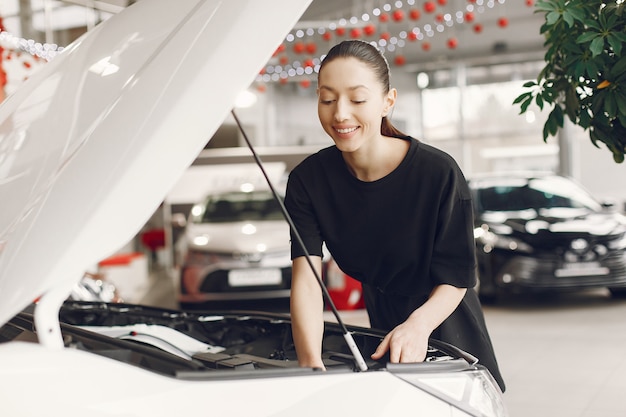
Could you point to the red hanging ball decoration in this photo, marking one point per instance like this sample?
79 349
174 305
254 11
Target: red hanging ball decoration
299 47
452 43
283 80
308 63
284 60
503 22
412 36
439 18
369 30
478 28
530 3
305 83
415 14
429 6
400 60
261 88
469 17
385 36
426 46
327 36
355 33
340 31
384 17
442 2
398 15
311 48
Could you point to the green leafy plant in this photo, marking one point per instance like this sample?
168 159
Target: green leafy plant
585 73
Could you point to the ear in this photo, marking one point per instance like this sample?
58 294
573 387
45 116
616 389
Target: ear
390 101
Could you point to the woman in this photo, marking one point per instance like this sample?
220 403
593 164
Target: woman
395 214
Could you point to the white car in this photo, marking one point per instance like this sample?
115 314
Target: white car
235 248
91 144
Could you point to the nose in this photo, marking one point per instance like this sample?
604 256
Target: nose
341 112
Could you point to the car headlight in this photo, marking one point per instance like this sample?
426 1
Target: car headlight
491 240
473 391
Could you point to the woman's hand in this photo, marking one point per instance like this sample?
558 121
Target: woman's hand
405 343
408 342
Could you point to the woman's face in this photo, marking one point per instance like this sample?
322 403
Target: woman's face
351 103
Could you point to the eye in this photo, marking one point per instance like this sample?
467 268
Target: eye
326 101
358 101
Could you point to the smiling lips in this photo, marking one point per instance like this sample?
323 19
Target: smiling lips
347 130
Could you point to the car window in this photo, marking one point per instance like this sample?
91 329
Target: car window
537 193
233 207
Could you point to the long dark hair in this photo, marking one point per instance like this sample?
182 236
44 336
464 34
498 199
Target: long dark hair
373 58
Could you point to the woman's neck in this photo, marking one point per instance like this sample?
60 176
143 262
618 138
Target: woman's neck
378 160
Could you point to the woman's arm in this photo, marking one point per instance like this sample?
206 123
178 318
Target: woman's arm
408 342
307 305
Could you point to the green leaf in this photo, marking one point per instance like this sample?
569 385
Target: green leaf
558 115
620 99
585 120
619 68
539 101
610 106
545 6
615 44
529 84
522 97
525 104
569 19
546 133
577 13
552 17
596 46
594 138
587 36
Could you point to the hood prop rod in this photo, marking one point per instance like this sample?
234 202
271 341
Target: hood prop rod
358 357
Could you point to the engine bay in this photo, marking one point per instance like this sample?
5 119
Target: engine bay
202 344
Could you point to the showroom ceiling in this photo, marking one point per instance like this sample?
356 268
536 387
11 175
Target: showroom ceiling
477 32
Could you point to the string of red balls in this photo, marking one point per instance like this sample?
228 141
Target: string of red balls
370 29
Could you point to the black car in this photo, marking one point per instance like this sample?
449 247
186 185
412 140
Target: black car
544 232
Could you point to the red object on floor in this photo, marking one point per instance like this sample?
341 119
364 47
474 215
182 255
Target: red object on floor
120 259
153 239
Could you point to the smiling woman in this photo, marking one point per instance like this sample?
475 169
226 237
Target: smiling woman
394 213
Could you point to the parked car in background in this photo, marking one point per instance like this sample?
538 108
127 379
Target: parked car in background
235 247
543 232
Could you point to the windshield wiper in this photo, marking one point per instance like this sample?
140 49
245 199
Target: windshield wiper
358 357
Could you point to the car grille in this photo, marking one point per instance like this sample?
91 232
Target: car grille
540 272
217 281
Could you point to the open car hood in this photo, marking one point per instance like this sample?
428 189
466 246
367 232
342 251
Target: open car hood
91 144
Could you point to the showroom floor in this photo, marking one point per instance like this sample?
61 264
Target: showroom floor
561 356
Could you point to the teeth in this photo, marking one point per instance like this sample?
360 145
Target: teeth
351 129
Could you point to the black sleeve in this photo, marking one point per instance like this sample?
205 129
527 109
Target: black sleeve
298 202
454 251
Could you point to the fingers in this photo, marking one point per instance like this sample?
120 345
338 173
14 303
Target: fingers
401 350
382 348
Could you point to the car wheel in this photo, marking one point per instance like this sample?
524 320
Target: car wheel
618 292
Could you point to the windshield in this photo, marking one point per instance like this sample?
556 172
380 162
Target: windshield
536 193
238 206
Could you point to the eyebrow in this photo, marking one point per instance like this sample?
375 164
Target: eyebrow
352 88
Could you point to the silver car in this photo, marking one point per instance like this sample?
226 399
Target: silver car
235 247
